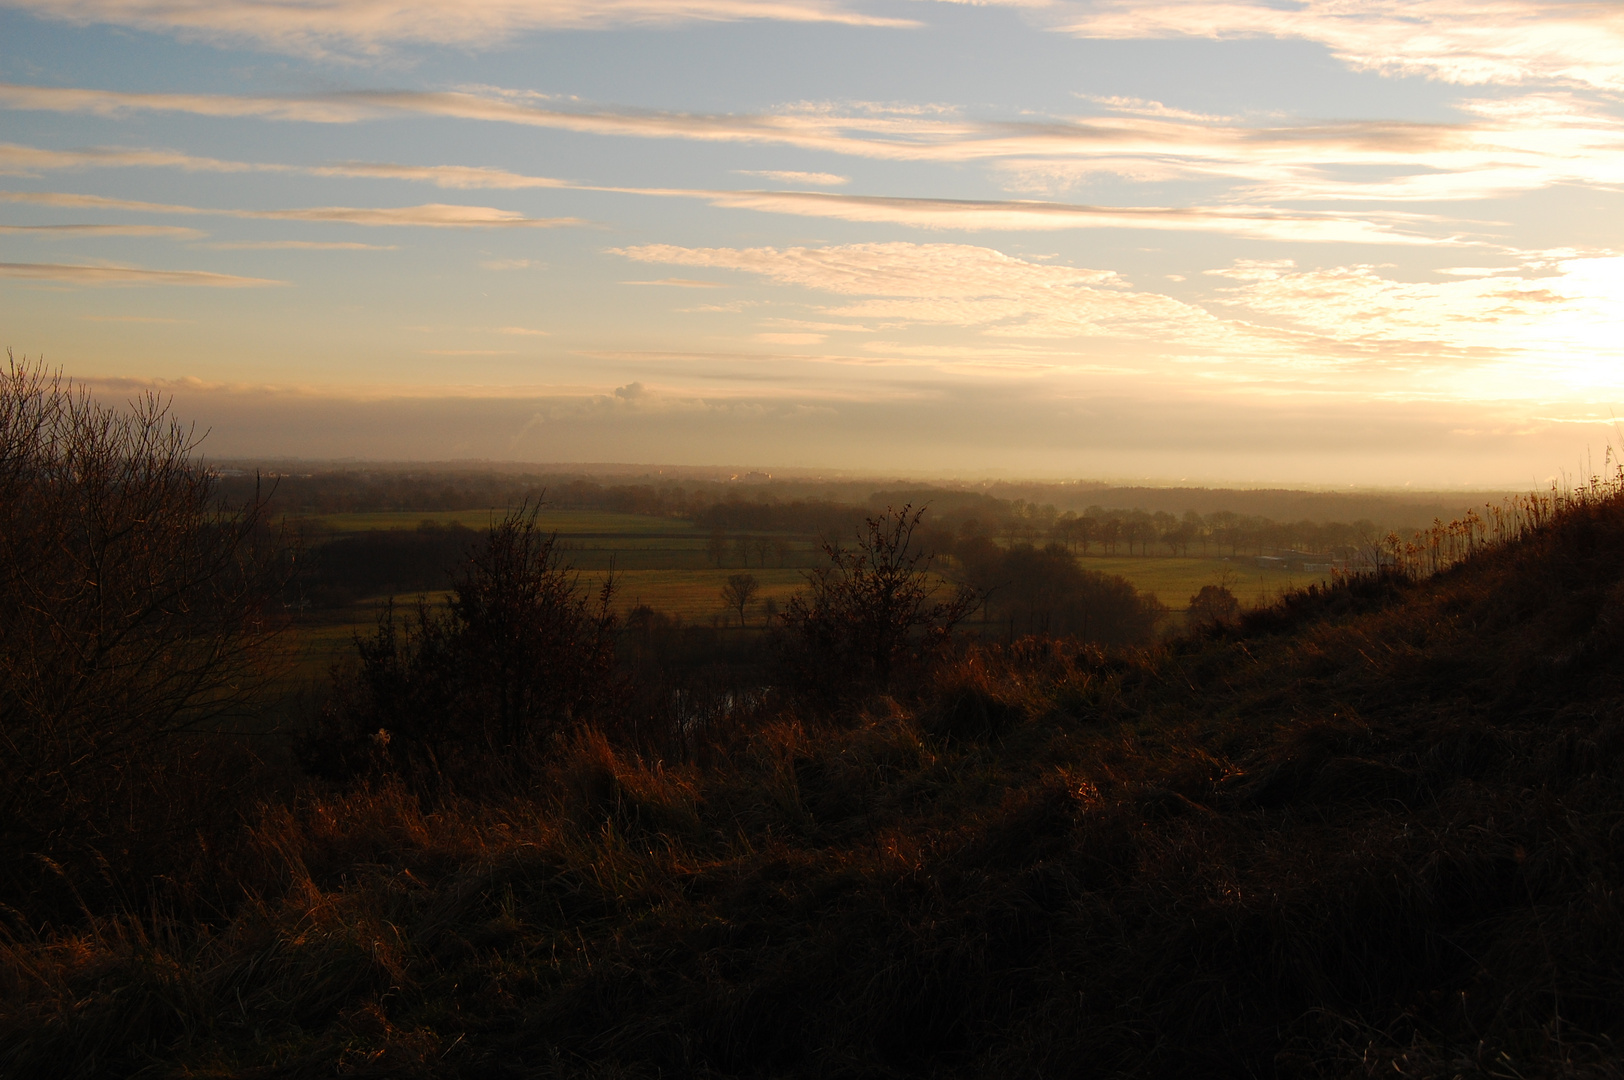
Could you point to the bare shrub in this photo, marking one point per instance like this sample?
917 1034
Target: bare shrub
470 692
1212 606
739 591
872 610
131 613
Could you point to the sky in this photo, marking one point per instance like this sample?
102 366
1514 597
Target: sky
1310 242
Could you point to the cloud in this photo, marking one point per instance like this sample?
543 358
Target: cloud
1502 146
957 285
19 160
790 338
301 245
1366 227
679 283
1557 309
128 275
787 176
368 26
174 232
427 215
467 177
523 331
508 264
1549 327
1580 42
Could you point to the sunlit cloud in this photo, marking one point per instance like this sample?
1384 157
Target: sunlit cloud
1021 215
772 337
300 245
1461 41
523 331
172 232
789 176
467 177
679 283
128 275
1562 309
958 285
1353 329
368 26
1501 146
427 215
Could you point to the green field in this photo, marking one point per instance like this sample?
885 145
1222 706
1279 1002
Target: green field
562 521
1174 581
661 562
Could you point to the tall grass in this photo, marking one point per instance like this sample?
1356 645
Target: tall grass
1515 518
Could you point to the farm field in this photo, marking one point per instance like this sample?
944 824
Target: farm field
1175 580
661 562
563 521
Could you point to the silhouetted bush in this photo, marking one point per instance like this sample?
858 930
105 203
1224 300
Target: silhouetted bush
131 615
470 692
873 610
1045 591
1212 606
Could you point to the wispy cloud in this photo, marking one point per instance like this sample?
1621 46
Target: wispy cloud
1550 323
1566 305
1501 146
788 176
427 215
368 26
956 285
300 245
19 160
1462 41
679 283
173 232
1365 227
128 275
467 177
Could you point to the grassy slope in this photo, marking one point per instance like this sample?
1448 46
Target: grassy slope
1376 830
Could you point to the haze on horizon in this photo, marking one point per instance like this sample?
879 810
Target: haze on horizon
1313 242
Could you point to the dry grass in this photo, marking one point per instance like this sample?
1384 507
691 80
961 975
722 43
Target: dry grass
1373 830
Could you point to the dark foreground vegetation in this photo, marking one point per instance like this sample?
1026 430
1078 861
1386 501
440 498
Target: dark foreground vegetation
1374 829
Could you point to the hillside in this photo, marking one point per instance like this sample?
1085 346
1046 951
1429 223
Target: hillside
1373 830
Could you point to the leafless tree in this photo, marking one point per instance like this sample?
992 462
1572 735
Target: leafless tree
739 591
873 606
132 603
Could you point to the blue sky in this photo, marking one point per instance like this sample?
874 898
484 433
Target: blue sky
1320 242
